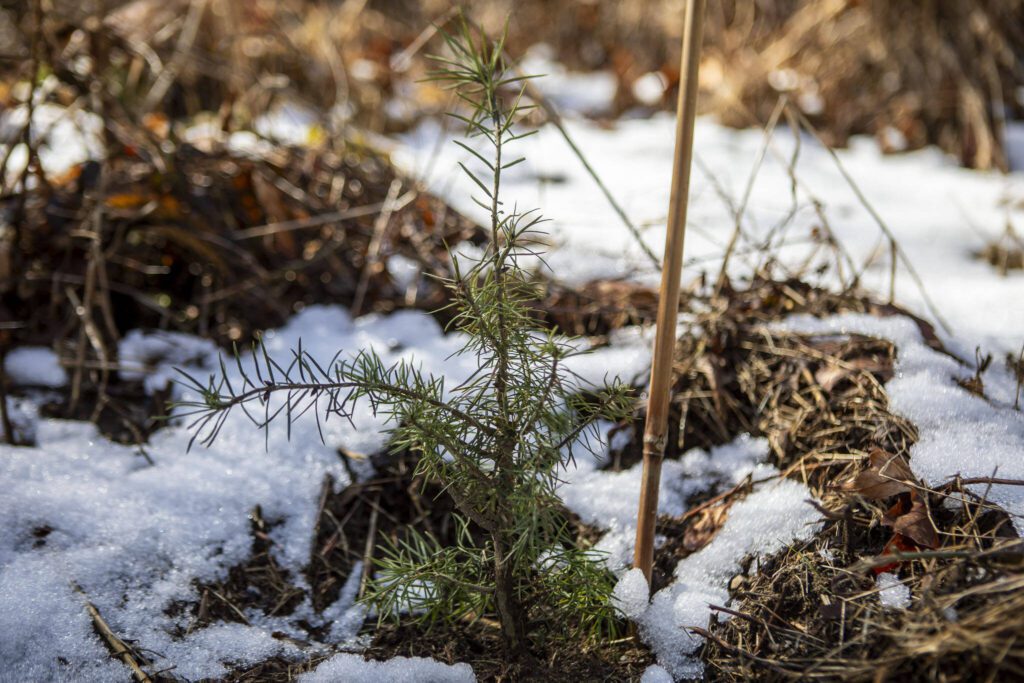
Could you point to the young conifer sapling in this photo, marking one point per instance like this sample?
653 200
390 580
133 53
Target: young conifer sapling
497 442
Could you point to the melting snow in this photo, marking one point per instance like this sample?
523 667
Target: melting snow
892 592
350 667
775 514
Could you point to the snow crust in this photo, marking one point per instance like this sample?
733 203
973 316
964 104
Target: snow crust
353 668
892 592
34 366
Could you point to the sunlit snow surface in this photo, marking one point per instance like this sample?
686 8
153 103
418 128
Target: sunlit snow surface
941 214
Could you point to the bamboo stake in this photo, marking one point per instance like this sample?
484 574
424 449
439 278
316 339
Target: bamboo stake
668 304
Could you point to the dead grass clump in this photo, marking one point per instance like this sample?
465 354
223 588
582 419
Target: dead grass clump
814 612
819 400
351 522
479 645
596 307
194 238
943 73
735 376
224 245
911 74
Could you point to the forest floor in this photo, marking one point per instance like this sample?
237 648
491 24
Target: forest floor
843 495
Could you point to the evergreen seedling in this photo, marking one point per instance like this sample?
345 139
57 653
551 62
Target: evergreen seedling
497 442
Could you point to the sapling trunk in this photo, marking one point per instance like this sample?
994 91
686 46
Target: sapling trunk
510 611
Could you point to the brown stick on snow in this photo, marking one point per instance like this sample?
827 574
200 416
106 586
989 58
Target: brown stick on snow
668 304
116 645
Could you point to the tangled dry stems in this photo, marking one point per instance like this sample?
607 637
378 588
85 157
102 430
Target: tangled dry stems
812 611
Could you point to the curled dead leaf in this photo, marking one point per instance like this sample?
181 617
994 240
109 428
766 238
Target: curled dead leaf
704 527
887 475
909 518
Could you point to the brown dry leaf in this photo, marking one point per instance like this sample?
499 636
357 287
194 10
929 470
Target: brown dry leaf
914 524
707 523
884 477
131 199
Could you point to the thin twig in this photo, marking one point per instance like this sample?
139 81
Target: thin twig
372 257
117 646
371 541
862 198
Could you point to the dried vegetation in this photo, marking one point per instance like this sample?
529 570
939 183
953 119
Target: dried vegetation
813 610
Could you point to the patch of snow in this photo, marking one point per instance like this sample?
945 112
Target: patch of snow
632 595
656 674
344 615
650 88
941 214
64 136
403 270
892 593
588 93
352 668
774 514
34 366
290 122
893 140
153 356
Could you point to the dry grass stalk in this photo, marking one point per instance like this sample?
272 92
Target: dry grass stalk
117 647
